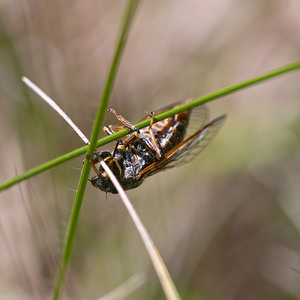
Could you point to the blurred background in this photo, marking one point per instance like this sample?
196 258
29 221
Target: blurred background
227 225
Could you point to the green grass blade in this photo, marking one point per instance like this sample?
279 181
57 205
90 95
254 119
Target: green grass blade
108 139
111 75
69 240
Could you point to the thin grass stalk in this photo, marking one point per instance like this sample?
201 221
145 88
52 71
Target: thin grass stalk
162 272
199 101
69 239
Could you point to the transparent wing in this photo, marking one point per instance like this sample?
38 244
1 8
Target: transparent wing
198 117
188 149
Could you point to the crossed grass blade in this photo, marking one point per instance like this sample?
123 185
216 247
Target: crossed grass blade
196 102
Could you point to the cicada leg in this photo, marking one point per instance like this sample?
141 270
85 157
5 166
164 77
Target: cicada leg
111 129
154 142
96 157
126 123
93 160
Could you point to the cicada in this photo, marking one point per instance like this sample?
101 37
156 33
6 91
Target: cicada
159 146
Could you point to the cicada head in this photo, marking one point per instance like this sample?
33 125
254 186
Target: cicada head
101 180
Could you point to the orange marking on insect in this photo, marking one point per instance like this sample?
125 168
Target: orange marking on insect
156 147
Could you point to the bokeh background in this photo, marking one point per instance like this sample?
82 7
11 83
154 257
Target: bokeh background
227 225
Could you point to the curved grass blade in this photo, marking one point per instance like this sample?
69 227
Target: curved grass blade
162 272
53 104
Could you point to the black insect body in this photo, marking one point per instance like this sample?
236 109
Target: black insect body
147 151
